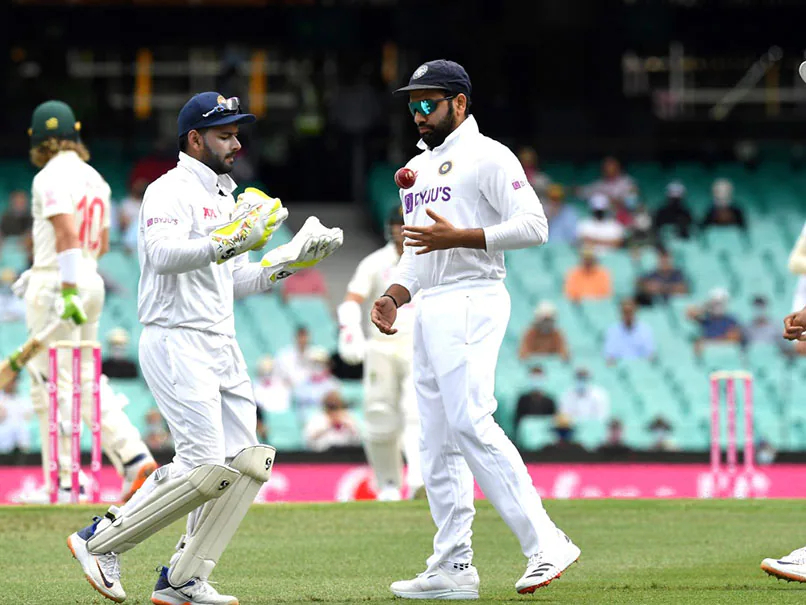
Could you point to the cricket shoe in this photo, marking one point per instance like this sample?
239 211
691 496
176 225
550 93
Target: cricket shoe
195 592
450 581
546 566
102 571
389 493
135 474
791 568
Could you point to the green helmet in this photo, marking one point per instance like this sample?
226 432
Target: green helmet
53 119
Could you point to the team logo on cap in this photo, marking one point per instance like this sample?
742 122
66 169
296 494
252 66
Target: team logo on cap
220 100
445 168
419 72
52 123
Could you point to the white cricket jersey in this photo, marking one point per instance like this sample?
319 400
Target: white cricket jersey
472 181
181 285
372 277
68 185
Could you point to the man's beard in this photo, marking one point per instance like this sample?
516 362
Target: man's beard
214 162
444 127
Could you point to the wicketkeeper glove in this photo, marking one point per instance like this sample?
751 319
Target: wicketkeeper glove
70 307
311 245
254 219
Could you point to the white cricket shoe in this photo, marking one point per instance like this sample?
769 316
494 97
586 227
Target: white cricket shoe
195 592
791 568
389 494
444 583
546 566
134 475
102 571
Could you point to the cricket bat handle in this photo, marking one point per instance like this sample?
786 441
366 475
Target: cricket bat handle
13 364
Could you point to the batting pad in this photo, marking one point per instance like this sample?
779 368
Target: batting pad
169 500
220 518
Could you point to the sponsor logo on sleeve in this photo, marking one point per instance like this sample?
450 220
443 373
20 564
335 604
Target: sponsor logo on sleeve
162 220
210 213
518 184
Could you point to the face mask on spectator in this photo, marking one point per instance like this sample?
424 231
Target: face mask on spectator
631 200
536 382
581 383
545 326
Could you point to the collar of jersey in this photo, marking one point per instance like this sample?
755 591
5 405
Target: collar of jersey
467 128
211 181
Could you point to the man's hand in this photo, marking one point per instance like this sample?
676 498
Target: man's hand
793 325
21 285
70 307
384 314
442 235
254 220
310 246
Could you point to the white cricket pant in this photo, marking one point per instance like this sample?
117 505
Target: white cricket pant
202 389
120 439
799 299
391 419
457 335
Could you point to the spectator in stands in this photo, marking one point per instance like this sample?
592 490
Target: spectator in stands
271 392
614 183
723 212
157 436
716 325
538 179
614 441
588 280
17 219
308 282
309 394
674 213
332 427
129 214
641 232
535 401
762 329
15 412
600 231
543 337
585 401
118 363
564 431
562 217
661 431
628 339
662 283
11 308
765 452
292 364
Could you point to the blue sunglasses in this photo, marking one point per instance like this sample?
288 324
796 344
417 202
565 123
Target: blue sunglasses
427 106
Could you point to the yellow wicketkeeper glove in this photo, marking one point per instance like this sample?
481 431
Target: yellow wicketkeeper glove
311 245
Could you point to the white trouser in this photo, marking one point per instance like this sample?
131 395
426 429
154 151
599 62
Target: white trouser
120 439
457 334
390 410
799 300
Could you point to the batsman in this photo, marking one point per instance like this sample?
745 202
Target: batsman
192 247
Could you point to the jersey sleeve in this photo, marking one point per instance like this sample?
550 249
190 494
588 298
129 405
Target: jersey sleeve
56 198
106 197
361 282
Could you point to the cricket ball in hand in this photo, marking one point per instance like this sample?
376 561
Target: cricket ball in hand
405 178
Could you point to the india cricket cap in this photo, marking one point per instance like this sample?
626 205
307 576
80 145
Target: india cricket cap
53 119
439 74
200 112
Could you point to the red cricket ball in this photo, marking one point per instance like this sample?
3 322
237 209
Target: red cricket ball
405 178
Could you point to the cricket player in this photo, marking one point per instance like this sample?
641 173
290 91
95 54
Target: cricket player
471 201
192 247
70 232
392 424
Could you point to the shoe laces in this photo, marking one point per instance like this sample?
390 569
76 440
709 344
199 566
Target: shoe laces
200 588
536 558
797 556
110 565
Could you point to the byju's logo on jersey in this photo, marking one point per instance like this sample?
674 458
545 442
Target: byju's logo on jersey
162 220
412 200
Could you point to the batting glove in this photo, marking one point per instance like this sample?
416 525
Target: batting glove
310 246
70 307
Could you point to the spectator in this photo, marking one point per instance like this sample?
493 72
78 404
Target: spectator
715 323
309 394
564 431
761 329
562 217
271 392
11 308
765 453
614 441
628 339
662 283
661 431
539 180
585 401
129 214
600 231
613 183
17 219
117 363
673 213
292 363
543 337
157 437
641 231
588 280
723 213
308 282
535 401
15 412
333 427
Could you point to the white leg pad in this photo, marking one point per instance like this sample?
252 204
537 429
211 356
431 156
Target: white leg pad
220 519
170 500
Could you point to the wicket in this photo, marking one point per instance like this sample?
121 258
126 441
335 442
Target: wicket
75 419
724 483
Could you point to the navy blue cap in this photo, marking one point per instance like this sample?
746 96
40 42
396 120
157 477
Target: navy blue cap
440 74
200 112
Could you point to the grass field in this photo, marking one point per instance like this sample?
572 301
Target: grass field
632 552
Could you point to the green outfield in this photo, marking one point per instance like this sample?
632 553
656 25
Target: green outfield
632 552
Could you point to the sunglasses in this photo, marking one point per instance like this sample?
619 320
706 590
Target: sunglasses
226 106
427 106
